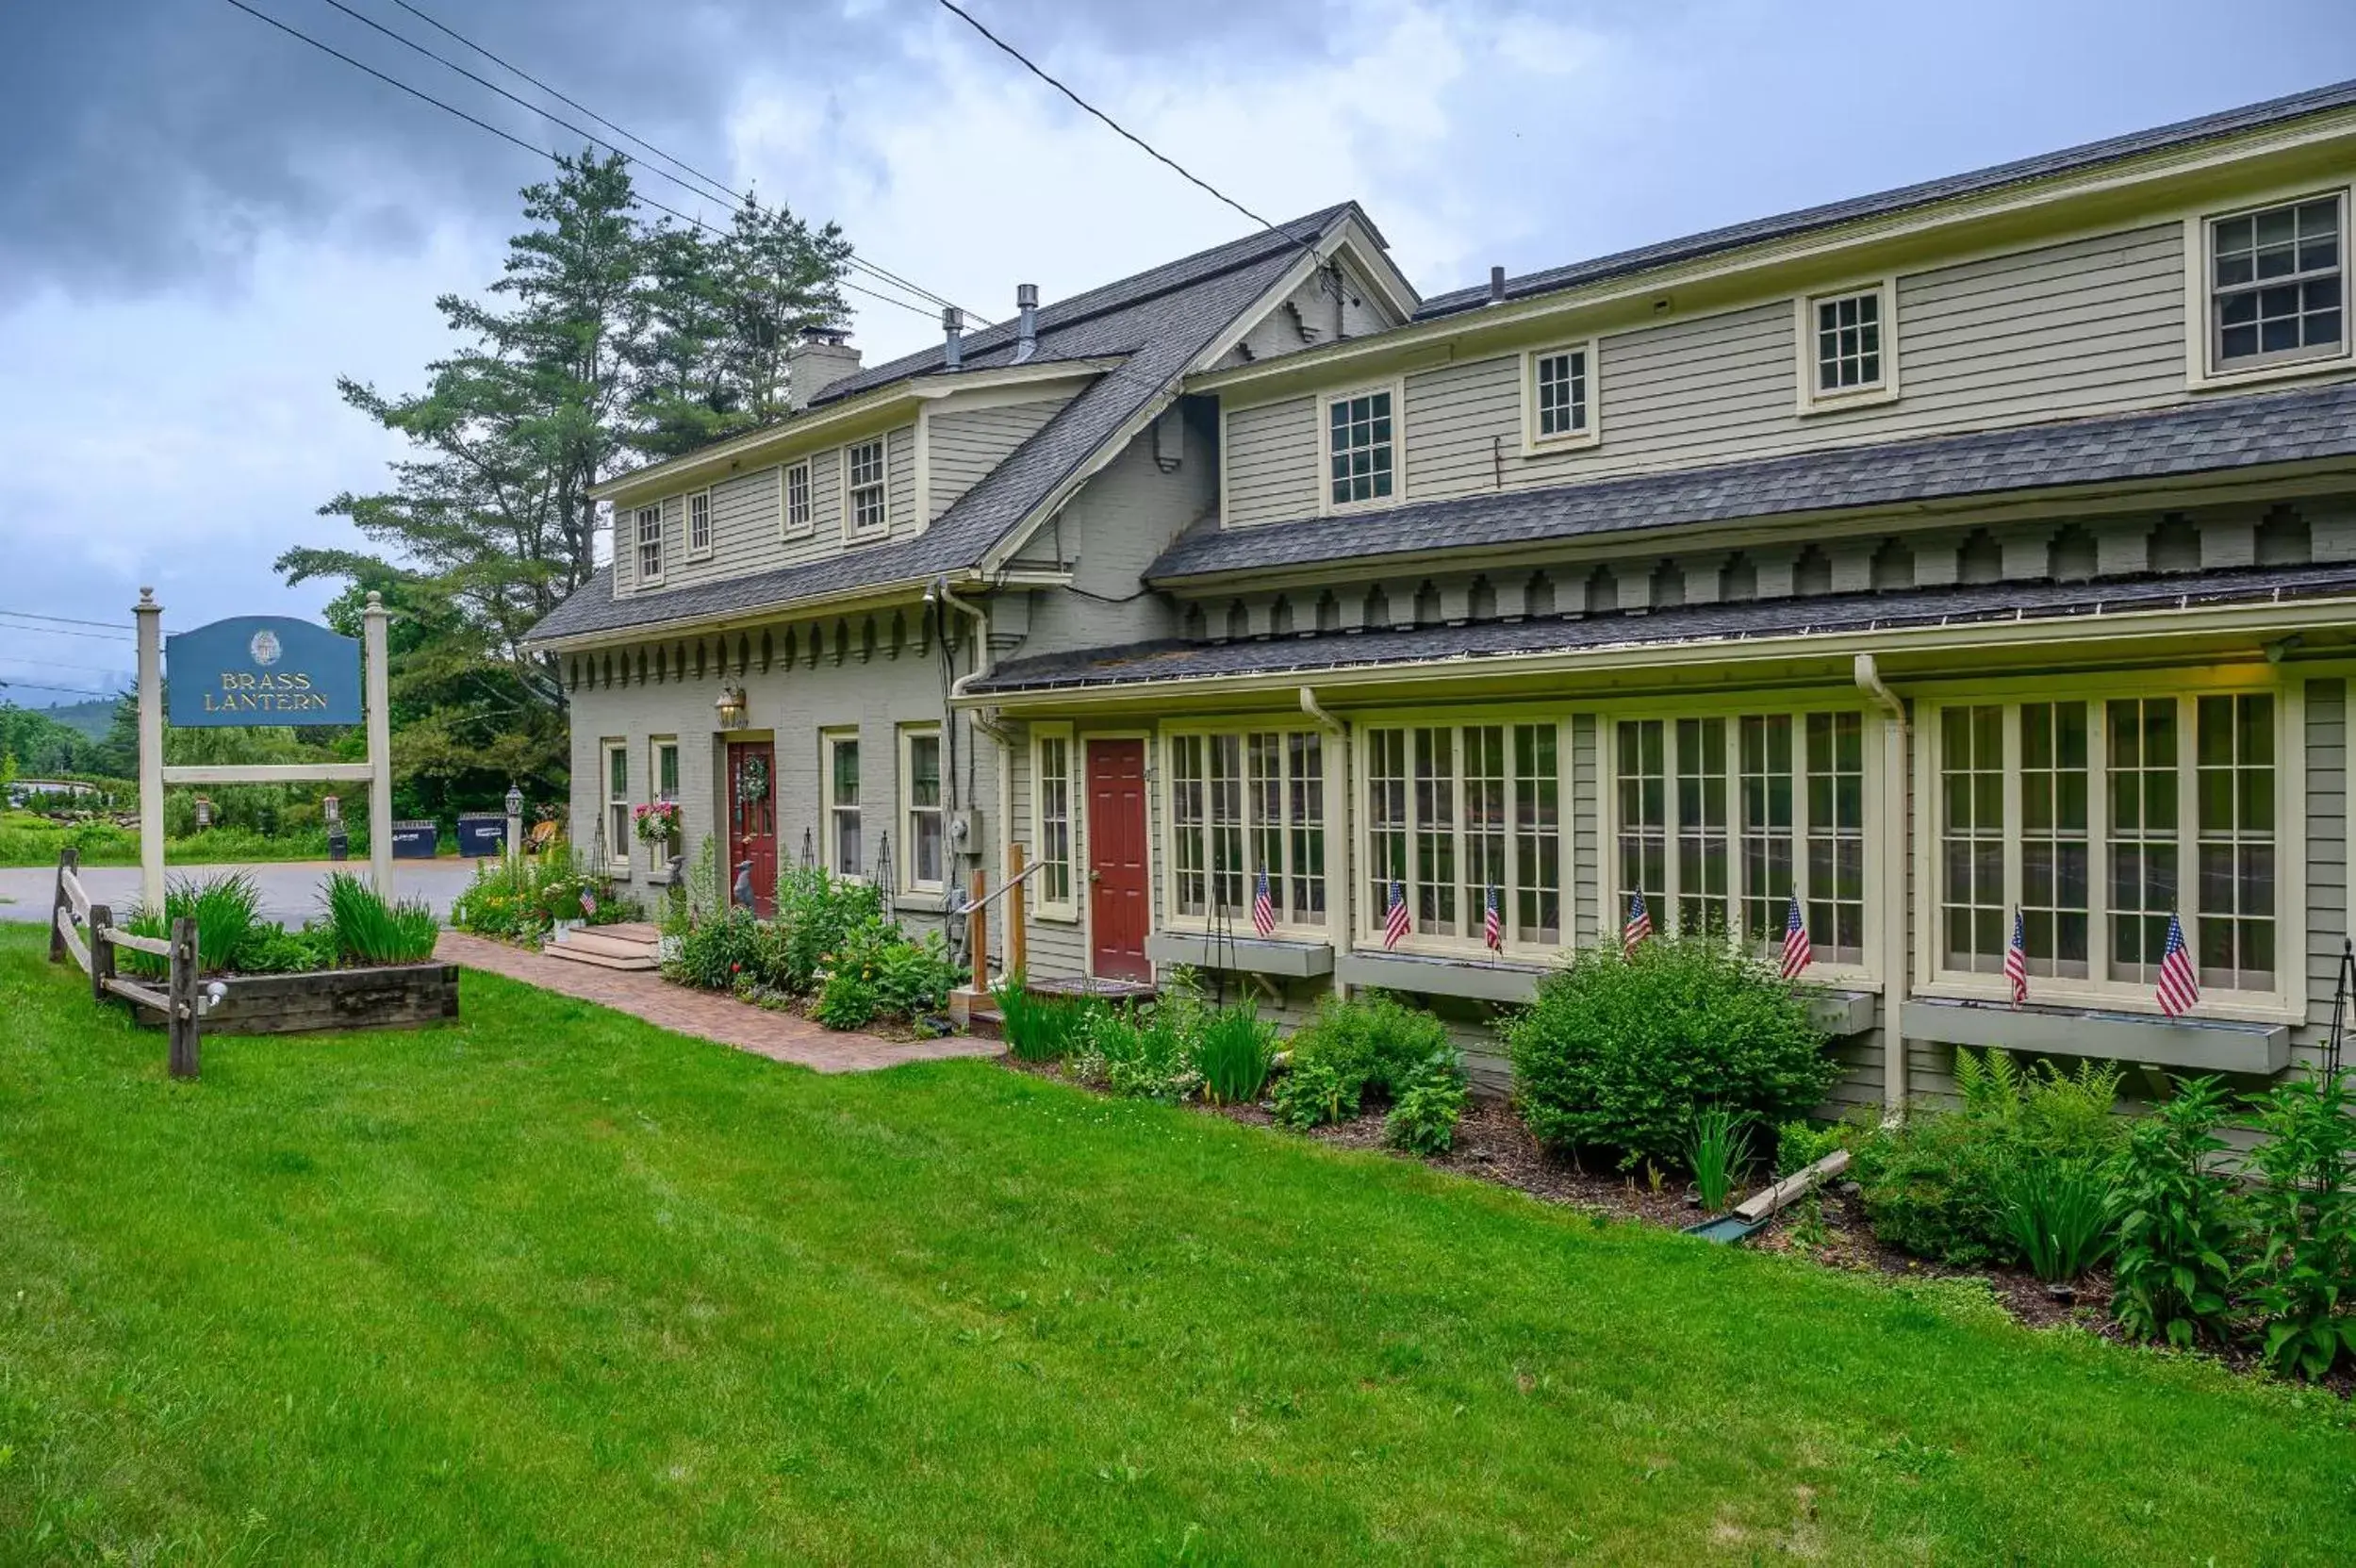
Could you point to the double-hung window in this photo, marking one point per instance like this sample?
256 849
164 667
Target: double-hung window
663 763
2095 820
1360 451
2278 284
863 483
796 500
1051 799
1559 385
651 544
1847 350
923 830
1460 817
617 815
1244 805
1721 820
839 762
699 525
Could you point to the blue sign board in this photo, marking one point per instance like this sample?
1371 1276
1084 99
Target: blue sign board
261 670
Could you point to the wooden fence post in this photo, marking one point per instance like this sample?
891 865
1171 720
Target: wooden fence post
978 933
101 951
182 992
69 861
1014 943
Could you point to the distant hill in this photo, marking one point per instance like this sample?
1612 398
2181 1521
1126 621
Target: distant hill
90 718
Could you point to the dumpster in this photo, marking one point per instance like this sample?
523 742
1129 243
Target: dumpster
482 832
415 840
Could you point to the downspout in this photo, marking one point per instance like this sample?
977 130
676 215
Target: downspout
1316 710
988 725
1896 841
1333 726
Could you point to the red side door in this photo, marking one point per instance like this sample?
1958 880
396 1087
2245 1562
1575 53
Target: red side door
752 820
1117 877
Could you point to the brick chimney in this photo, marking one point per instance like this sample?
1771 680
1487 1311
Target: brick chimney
819 358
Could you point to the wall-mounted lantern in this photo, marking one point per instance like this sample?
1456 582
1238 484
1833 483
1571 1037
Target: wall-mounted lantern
731 707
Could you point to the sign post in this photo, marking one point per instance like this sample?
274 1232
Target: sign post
254 671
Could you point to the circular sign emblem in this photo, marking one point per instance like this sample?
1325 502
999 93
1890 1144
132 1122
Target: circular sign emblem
264 647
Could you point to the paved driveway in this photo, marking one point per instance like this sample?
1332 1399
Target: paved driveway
289 888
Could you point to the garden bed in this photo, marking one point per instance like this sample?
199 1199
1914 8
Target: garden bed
380 996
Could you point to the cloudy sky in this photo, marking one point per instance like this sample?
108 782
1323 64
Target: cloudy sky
204 221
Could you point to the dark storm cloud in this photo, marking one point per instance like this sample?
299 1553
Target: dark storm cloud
153 142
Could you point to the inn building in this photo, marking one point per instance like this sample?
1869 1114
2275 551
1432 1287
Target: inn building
1971 555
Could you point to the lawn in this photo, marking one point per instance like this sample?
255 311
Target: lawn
550 1284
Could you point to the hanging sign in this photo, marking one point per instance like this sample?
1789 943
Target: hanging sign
261 670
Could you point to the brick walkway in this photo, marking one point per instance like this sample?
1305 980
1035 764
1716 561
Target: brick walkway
643 993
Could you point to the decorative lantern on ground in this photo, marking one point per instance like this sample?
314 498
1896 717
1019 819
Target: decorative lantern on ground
515 821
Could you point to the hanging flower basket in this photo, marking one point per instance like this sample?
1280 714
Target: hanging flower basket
656 822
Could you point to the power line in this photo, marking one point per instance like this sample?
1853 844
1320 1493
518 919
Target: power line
510 136
59 664
69 691
64 630
871 268
68 620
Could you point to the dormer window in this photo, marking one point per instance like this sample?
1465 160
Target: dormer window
699 525
651 544
1848 347
1359 453
2278 285
862 481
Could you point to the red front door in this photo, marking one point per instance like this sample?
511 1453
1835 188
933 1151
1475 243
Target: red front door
752 823
1117 882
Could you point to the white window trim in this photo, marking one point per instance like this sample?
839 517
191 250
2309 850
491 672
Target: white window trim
884 483
786 527
1612 915
2285 1004
1533 444
638 546
2200 374
829 742
1810 400
656 745
1368 915
1323 407
902 788
1330 747
1064 909
687 522
617 853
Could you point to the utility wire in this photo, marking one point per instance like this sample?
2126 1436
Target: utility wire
59 664
67 621
873 269
70 691
63 632
510 136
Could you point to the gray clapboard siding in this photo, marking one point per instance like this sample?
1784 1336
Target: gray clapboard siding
2327 858
1272 462
963 445
900 516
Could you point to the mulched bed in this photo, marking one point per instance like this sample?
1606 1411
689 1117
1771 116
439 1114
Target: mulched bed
1494 1146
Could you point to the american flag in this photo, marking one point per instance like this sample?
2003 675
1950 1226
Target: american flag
1639 924
2017 960
1493 928
1798 954
2179 988
588 903
1394 924
1263 908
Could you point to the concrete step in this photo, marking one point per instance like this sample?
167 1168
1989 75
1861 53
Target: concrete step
986 1023
627 930
575 954
610 942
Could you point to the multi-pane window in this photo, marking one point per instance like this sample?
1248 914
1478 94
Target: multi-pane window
2276 283
862 477
845 844
618 816
663 754
1848 342
1359 447
1561 394
1722 821
1461 815
2085 817
1244 805
651 544
699 524
797 498
920 799
1052 778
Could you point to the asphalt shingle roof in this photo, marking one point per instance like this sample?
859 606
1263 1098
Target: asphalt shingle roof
1816 615
1156 323
2044 166
2194 438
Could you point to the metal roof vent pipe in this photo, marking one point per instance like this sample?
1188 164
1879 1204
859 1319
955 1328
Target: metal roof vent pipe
953 335
1496 286
1026 324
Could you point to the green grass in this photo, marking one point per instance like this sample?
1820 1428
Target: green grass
550 1284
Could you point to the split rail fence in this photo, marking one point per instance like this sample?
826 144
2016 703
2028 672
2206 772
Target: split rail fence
86 932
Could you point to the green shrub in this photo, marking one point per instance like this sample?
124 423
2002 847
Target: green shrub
2301 1285
2174 1276
1232 1054
1718 1152
1311 1094
715 954
2062 1215
876 960
849 1000
1622 1051
273 950
368 929
225 908
1800 1144
1140 1055
1428 1105
819 912
1365 1042
1037 1028
521 901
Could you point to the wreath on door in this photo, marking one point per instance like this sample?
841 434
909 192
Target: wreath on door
753 781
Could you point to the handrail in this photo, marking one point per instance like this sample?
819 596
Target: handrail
1004 888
